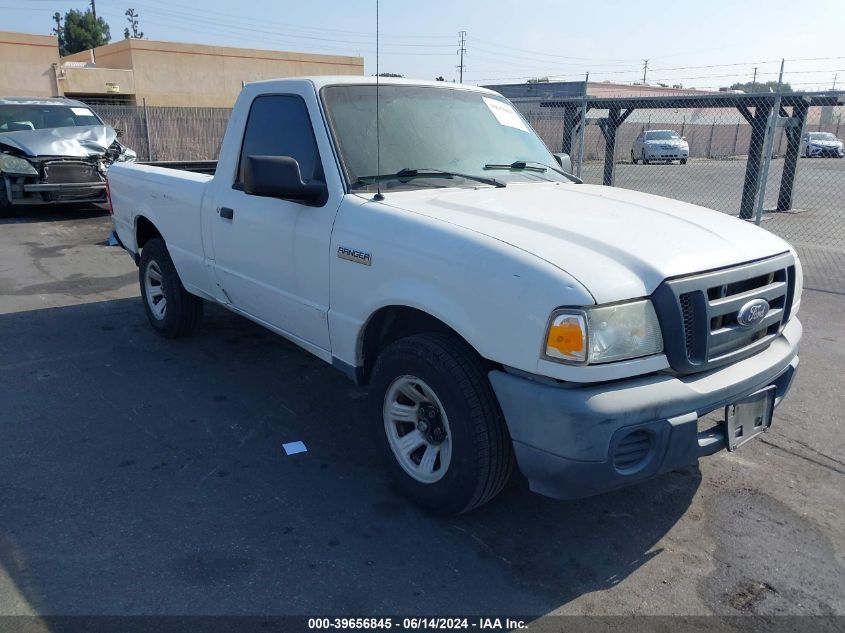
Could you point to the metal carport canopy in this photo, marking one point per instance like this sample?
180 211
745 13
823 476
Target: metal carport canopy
762 102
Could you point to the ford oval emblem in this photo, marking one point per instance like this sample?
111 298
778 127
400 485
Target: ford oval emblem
752 312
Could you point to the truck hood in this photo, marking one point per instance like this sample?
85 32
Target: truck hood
81 141
619 244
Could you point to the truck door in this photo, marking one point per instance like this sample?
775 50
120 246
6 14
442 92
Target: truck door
270 256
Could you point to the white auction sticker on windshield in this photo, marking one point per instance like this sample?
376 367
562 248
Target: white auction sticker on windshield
82 112
505 114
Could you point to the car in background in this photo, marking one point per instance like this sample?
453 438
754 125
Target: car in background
820 144
659 145
54 150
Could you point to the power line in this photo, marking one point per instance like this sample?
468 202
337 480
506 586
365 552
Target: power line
547 54
211 24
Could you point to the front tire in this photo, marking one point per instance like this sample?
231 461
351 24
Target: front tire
683 161
441 431
645 160
171 310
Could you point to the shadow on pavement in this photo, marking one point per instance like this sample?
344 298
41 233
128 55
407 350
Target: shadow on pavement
52 213
146 476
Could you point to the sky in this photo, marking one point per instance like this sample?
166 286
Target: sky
696 44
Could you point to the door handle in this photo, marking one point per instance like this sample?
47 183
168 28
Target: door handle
226 213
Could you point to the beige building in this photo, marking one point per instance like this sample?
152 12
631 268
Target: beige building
26 65
132 71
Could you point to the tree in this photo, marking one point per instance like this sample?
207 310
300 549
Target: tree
389 75
82 32
761 86
132 17
440 78
538 80
58 31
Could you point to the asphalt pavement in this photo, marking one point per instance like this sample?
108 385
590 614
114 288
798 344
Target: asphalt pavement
147 476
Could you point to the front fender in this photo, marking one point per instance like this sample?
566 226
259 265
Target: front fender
496 296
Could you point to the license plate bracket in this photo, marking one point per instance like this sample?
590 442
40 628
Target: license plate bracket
747 418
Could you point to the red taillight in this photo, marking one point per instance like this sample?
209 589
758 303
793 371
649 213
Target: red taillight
108 197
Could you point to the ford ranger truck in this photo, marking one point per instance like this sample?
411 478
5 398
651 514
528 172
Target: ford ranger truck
501 312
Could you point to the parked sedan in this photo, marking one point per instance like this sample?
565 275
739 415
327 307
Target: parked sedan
819 144
660 145
54 150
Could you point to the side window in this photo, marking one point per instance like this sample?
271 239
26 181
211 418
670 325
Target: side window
279 125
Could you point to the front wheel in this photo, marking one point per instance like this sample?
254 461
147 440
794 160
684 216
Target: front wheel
171 310
683 161
645 160
440 429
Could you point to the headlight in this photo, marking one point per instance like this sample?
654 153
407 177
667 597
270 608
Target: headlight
127 156
14 165
603 334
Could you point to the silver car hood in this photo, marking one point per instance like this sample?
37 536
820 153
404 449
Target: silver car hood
81 141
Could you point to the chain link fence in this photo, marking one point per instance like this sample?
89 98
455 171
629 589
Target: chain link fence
168 133
706 150
723 151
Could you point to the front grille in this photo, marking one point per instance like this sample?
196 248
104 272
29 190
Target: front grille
632 450
699 314
56 172
688 313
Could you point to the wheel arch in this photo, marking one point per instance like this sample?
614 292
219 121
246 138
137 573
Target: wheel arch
145 230
390 323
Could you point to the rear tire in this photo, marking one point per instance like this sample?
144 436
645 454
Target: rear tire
171 310
463 457
633 158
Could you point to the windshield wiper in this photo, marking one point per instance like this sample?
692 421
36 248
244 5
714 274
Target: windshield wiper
519 164
406 175
533 165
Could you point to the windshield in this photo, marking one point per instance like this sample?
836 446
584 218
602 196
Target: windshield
23 117
429 128
661 135
822 136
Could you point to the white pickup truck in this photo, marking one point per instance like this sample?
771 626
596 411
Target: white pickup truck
499 310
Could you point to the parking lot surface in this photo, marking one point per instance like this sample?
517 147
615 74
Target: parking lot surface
147 476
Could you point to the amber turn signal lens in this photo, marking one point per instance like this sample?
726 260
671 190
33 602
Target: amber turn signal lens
567 338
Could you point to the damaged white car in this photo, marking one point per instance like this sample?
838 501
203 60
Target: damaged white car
54 150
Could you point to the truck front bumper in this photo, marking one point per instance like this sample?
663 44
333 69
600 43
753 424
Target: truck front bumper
567 437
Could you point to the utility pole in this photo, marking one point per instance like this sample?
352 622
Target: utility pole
94 9
645 65
462 49
753 80
835 76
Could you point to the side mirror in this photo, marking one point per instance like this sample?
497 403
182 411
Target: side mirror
565 162
118 132
279 177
